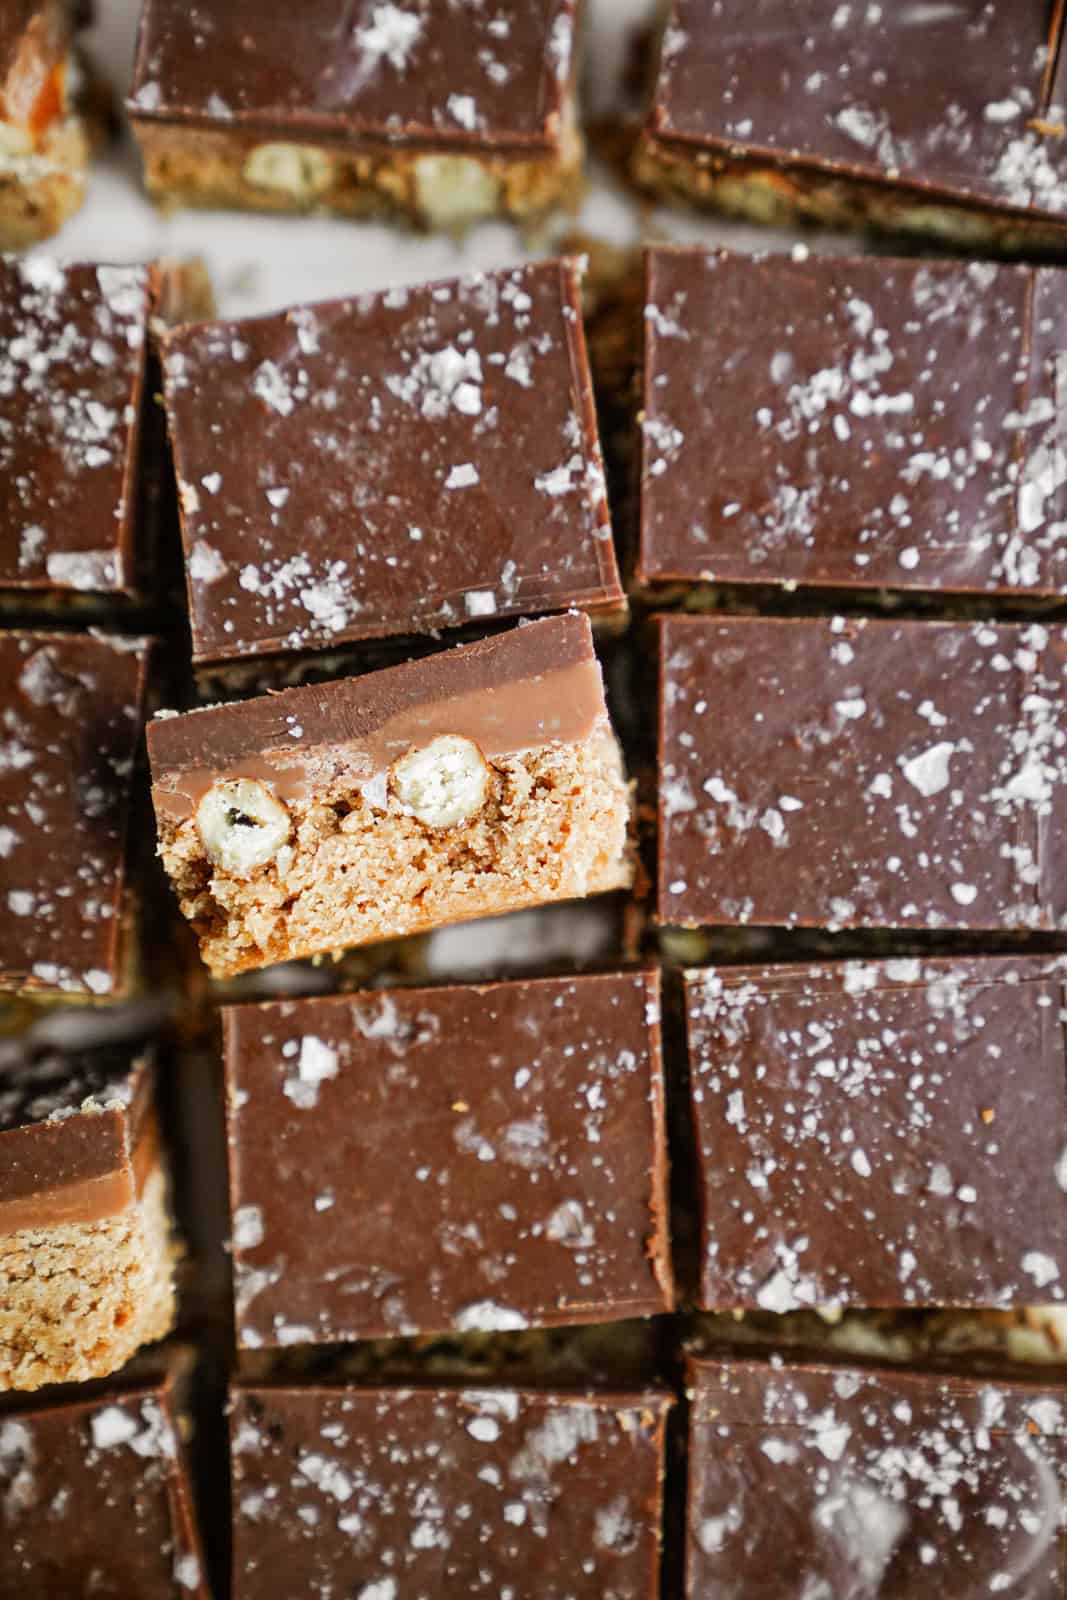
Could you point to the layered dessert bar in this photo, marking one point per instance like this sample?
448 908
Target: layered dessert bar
390 465
851 423
528 1189
73 350
846 773
71 716
475 781
95 1498
46 130
86 1258
381 1493
437 114
880 1133
946 120
812 1480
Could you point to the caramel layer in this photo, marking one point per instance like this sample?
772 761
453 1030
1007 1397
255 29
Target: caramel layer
89 1199
536 685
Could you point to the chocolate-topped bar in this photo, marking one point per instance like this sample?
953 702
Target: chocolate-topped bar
847 773
86 1262
72 370
943 119
838 1480
391 464
851 423
475 781
383 1493
71 712
880 1133
526 1188
440 114
46 130
95 1499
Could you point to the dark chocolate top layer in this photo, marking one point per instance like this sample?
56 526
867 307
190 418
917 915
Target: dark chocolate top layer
93 1500
870 423
71 713
407 71
392 464
840 1481
432 1159
380 1494
69 1120
538 683
71 371
863 774
957 97
881 1133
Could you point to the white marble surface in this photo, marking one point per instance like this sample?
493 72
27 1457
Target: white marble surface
259 263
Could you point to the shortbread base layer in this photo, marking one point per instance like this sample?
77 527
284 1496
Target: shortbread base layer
782 195
39 191
77 1300
554 827
431 189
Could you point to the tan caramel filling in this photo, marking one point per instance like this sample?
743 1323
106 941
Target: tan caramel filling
555 707
91 1199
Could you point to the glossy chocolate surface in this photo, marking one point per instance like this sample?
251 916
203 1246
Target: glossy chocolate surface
94 1501
418 71
839 1481
852 422
535 684
957 98
427 1159
880 1133
847 773
71 714
70 1131
72 350
383 1493
392 464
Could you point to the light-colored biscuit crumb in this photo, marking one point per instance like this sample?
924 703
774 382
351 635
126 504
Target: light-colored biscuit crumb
200 167
361 867
40 190
77 1300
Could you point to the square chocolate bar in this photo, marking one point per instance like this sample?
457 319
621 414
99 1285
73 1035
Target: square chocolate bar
479 780
847 773
71 716
423 1160
72 371
880 1133
945 119
436 113
95 1499
852 423
46 133
828 1481
390 465
86 1260
384 1493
